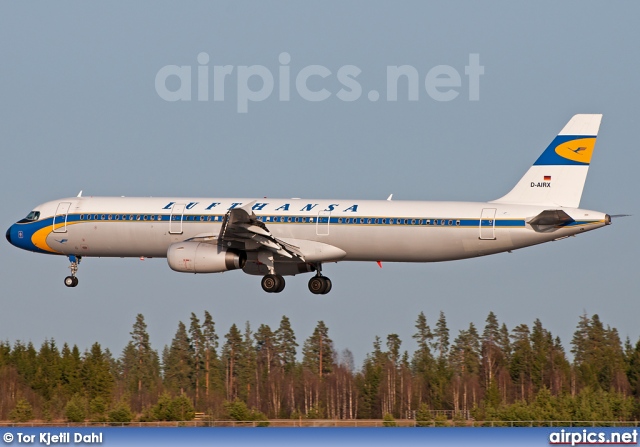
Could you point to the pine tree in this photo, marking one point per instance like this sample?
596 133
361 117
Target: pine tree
47 375
286 344
465 361
232 353
210 346
140 366
318 351
440 376
266 348
491 354
422 361
198 351
423 336
70 364
178 364
441 335
504 343
633 368
267 366
372 375
96 374
521 359
541 346
580 339
247 366
23 412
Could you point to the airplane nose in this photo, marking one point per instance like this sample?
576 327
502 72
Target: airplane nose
9 235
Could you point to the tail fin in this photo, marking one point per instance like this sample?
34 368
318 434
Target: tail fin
557 177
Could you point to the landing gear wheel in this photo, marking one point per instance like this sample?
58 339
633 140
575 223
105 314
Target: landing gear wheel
328 285
71 281
316 284
282 284
272 283
319 285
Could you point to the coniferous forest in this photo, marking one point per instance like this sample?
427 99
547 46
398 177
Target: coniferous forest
490 373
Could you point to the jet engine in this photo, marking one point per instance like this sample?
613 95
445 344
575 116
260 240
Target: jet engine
200 257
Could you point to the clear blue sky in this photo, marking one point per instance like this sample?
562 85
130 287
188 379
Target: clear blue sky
79 110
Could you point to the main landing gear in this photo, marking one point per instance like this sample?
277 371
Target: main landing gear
72 281
319 285
273 283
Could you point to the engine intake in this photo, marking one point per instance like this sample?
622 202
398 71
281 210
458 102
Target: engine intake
200 257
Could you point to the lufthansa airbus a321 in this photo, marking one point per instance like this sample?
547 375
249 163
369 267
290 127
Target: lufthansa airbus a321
275 238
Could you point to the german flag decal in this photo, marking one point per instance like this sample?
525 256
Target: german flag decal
547 178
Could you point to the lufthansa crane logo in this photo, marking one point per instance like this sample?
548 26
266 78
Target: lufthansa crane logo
578 150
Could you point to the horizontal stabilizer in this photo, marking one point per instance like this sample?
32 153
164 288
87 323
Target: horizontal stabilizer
550 220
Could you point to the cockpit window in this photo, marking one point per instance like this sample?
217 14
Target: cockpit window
33 216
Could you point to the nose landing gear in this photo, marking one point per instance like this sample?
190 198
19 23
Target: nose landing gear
72 280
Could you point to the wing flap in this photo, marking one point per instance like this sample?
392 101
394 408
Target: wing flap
241 225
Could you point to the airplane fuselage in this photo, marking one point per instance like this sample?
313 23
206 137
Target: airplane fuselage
365 230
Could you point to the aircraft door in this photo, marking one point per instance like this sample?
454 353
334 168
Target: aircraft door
175 220
322 224
60 218
488 224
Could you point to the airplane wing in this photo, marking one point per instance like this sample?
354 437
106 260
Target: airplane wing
242 229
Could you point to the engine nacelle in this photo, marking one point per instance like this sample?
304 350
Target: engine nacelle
200 257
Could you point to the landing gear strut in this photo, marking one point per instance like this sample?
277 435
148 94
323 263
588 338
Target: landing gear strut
72 281
319 285
272 283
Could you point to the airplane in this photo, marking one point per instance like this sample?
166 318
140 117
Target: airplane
274 238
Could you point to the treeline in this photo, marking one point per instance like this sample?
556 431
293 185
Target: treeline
497 374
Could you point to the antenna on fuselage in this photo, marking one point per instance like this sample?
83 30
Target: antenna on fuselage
79 194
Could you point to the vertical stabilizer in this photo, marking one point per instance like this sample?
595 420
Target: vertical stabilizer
557 177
